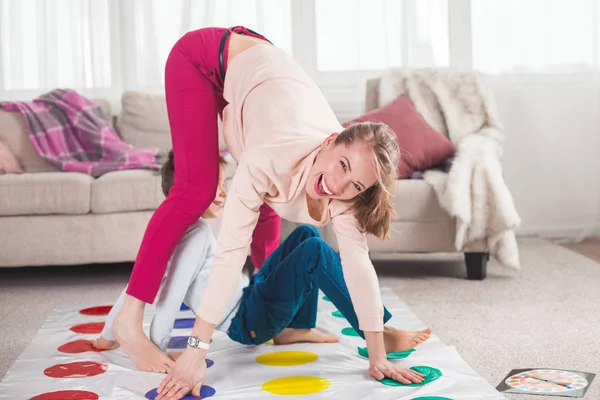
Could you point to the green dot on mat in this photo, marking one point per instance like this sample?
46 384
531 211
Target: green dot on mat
431 398
431 374
326 298
338 314
396 355
349 332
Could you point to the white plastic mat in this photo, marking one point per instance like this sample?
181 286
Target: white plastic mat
328 371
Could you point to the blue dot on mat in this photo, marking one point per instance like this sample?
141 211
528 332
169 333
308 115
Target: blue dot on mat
183 323
209 363
205 391
178 342
183 307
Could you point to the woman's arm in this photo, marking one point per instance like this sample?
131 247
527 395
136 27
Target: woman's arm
359 272
363 287
361 281
239 219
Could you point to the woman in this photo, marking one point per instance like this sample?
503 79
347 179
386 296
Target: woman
194 92
293 155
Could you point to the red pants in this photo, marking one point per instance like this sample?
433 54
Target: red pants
194 95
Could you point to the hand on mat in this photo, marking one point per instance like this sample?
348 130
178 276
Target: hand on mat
380 369
187 374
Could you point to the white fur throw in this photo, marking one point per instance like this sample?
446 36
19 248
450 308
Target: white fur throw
461 106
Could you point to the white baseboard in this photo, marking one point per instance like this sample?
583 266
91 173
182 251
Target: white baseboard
560 231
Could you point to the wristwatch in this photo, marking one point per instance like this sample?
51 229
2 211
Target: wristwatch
196 343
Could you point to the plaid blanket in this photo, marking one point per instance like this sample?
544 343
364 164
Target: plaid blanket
71 132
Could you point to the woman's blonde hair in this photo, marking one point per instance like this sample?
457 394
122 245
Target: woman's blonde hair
374 208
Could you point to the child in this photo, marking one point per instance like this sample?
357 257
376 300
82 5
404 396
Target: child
189 265
279 302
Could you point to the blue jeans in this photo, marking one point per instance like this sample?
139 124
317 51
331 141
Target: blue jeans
285 292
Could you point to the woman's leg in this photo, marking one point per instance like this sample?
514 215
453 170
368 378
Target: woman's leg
193 102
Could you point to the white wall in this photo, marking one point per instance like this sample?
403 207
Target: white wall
551 161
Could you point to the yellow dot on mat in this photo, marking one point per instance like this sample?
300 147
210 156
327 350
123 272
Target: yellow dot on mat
270 342
286 358
297 385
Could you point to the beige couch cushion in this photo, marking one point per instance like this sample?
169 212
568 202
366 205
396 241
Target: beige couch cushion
143 121
69 240
415 200
45 193
121 191
13 131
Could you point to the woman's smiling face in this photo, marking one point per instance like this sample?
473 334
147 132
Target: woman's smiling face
341 172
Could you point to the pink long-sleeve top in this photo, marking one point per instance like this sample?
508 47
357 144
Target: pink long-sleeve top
273 126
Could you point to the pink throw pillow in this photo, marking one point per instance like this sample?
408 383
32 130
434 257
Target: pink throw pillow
8 161
421 146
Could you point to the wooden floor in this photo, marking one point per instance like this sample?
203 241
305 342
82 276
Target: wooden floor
589 247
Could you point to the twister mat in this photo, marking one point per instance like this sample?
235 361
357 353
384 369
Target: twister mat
61 364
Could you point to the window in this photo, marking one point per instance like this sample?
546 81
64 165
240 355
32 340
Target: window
534 36
159 24
114 45
54 43
378 34
110 44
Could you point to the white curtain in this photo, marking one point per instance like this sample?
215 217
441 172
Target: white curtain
535 36
541 56
103 47
377 34
122 44
46 44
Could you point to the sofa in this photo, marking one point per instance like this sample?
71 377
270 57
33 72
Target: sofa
50 217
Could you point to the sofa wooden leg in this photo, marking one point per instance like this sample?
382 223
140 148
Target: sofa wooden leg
476 265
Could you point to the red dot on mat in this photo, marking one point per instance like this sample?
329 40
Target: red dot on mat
66 395
91 327
78 346
79 369
100 310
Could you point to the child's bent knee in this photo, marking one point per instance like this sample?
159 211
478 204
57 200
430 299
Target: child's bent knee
308 231
314 245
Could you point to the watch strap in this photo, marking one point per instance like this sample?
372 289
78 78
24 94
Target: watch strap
196 343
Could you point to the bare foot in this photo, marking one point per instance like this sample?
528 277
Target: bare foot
104 344
174 355
399 340
291 335
127 329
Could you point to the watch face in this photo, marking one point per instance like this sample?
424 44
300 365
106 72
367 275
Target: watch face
192 341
